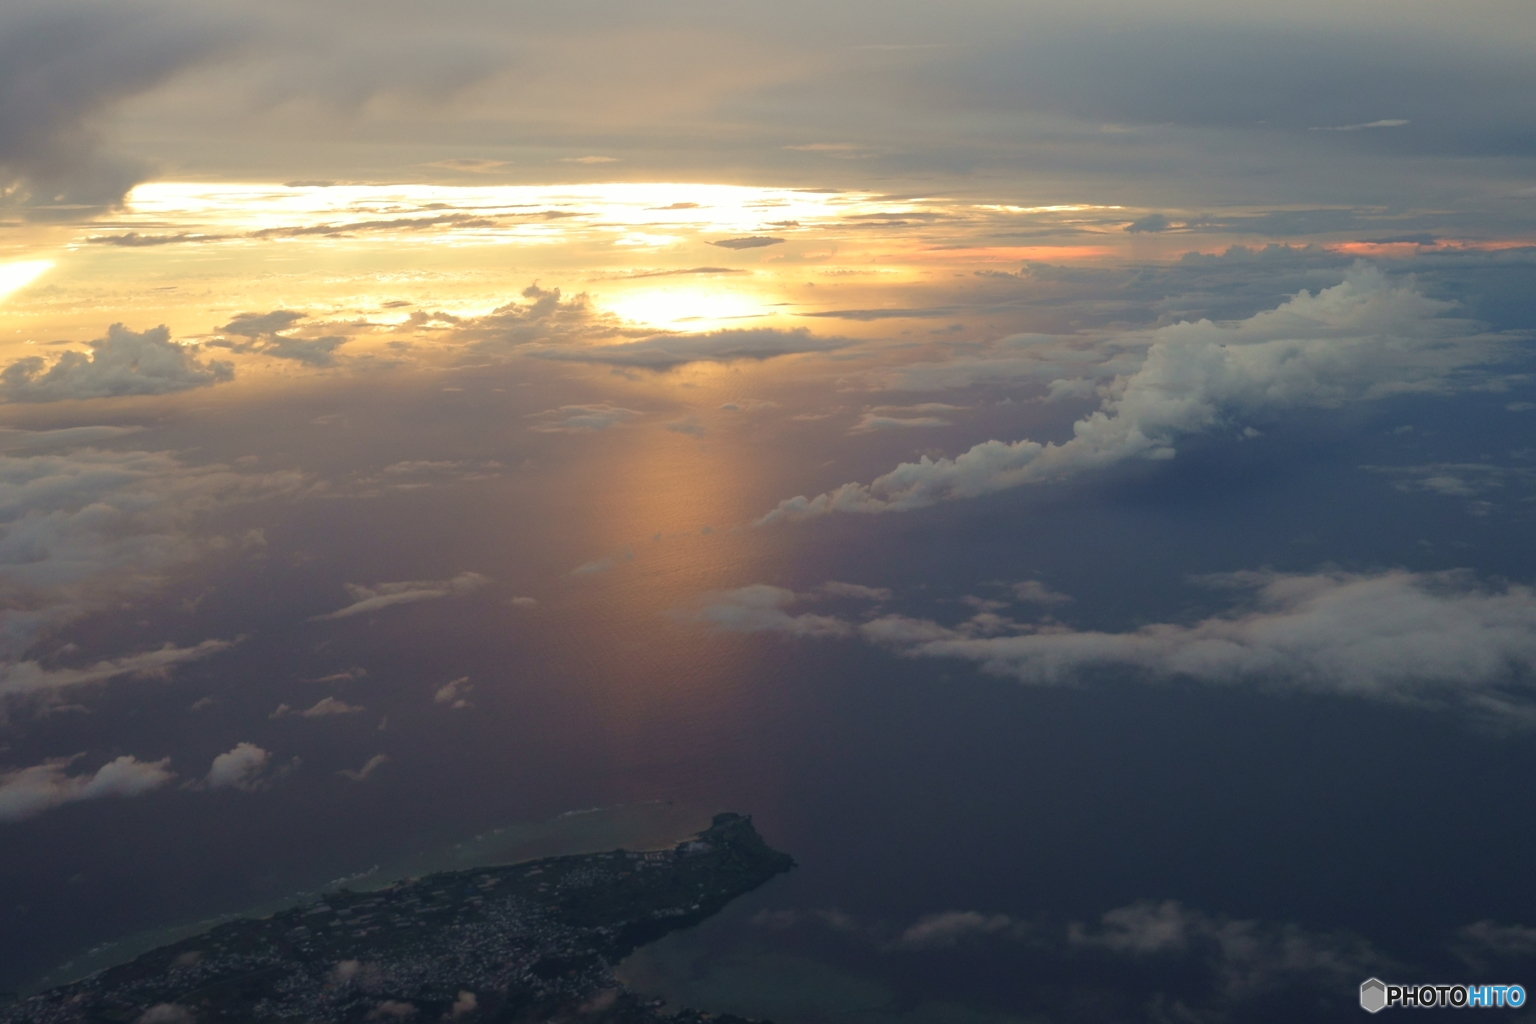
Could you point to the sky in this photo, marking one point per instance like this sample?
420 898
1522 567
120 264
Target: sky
1069 472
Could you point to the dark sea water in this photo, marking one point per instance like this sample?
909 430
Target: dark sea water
902 792
1343 834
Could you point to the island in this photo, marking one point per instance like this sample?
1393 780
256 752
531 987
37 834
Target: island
531 942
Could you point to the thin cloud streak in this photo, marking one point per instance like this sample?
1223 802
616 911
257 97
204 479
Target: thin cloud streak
369 599
1430 639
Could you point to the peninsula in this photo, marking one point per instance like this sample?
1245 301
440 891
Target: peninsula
523 942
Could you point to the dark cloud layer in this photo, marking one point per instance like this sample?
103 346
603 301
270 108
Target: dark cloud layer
1136 101
263 335
63 67
1421 93
753 242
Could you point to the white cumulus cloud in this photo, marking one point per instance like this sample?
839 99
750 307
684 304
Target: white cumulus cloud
1396 635
1363 339
239 768
123 363
31 791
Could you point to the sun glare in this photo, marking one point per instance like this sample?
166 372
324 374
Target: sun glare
14 276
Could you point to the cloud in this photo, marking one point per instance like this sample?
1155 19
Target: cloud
1151 222
690 270
134 240
613 561
827 147
1216 82
1485 941
85 529
581 419
951 927
1244 958
262 334
1366 338
1035 592
123 363
664 351
472 165
871 423
370 766
18 679
1430 639
551 326
454 693
31 791
760 608
1388 123
325 707
254 325
63 66
545 316
12 440
689 425
383 595
751 242
1426 638
309 351
346 675
854 590
1249 957
1074 388
239 768
1143 927
891 313
748 405
343 229
1455 479
418 474
1041 359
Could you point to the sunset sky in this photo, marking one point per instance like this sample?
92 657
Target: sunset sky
1068 470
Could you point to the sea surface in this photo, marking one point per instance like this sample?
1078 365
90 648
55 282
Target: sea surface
970 848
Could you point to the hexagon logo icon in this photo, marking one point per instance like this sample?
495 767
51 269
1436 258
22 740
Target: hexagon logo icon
1373 995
